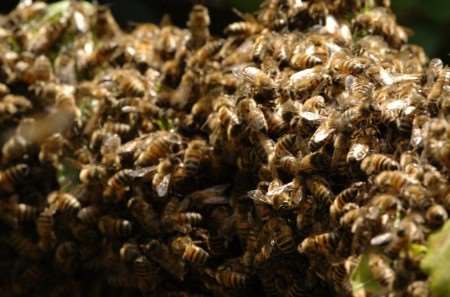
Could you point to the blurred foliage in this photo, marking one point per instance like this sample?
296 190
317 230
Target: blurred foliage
437 261
362 280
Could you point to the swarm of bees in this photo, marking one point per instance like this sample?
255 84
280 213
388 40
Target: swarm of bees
162 161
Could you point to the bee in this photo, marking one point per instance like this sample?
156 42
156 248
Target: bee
162 177
114 227
118 185
25 212
92 174
296 290
313 162
322 243
89 215
393 179
255 76
289 164
443 79
348 195
386 202
342 64
198 24
64 202
105 25
13 176
144 213
436 215
380 20
109 147
305 59
130 83
416 195
194 155
280 196
307 80
129 252
207 51
351 212
231 279
120 129
418 289
244 28
11 105
45 230
161 145
184 247
375 163
281 234
161 254
66 255
146 273
320 189
46 36
381 271
357 152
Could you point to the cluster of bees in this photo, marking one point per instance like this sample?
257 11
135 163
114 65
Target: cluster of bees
162 161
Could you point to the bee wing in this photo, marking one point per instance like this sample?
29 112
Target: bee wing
257 195
141 172
163 187
297 196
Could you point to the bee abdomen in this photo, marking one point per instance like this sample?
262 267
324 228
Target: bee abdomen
195 254
376 163
231 279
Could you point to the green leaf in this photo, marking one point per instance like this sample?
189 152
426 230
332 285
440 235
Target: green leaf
363 280
164 124
67 174
437 261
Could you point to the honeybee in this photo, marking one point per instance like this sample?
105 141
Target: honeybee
146 274
323 243
52 149
129 252
91 174
357 152
13 176
348 195
416 195
120 129
380 20
14 104
66 255
118 185
184 247
386 202
313 162
198 24
281 235
89 215
109 147
381 271
393 179
307 80
195 154
161 254
342 64
247 27
162 177
436 215
63 202
208 50
144 213
105 25
114 227
280 196
418 289
230 279
255 76
320 189
25 212
305 59
45 230
376 163
161 145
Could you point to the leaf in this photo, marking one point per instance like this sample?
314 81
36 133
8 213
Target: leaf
437 261
67 174
363 280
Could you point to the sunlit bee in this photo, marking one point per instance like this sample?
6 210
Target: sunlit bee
376 163
162 144
319 188
198 24
185 247
381 271
322 243
64 202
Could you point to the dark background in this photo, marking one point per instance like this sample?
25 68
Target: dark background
429 19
